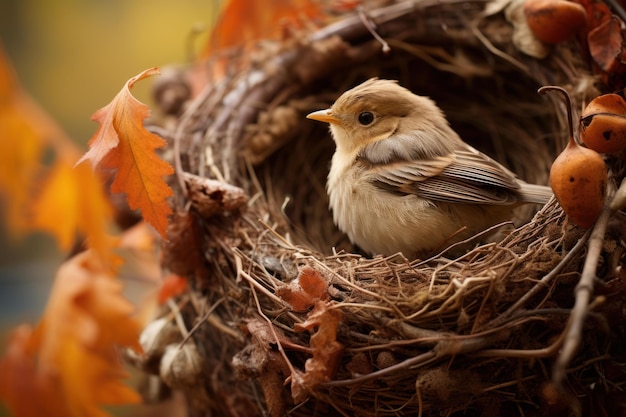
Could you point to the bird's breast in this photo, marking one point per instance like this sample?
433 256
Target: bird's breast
381 222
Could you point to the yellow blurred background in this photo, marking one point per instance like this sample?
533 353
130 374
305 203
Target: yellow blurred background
73 56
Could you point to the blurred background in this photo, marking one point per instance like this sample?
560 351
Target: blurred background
73 56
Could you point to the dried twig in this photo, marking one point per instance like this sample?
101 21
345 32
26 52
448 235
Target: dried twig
371 28
543 282
584 292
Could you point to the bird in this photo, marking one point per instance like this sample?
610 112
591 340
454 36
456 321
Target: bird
402 181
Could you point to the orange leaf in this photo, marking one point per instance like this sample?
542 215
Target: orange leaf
140 237
326 349
244 21
312 283
305 290
20 149
69 364
121 142
171 286
22 380
94 209
71 201
56 208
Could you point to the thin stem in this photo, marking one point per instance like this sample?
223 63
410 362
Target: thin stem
568 101
371 28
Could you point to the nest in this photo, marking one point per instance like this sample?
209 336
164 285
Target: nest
286 317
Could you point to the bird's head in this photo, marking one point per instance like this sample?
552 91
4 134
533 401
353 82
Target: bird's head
374 111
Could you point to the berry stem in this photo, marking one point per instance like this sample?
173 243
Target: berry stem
568 102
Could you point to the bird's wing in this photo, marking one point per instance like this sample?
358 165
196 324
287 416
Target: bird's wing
464 176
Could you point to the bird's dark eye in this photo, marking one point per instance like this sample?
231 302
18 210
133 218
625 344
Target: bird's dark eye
366 118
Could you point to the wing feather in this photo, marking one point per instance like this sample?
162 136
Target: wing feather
463 176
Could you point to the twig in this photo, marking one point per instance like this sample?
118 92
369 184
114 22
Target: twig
543 282
253 284
180 131
371 28
192 36
178 317
455 245
546 352
350 26
201 321
423 360
444 348
497 52
584 291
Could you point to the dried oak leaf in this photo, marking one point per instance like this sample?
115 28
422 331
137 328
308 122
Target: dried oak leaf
122 143
323 321
70 363
258 360
606 46
304 291
20 150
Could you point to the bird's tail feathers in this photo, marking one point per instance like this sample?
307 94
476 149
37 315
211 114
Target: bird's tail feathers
532 193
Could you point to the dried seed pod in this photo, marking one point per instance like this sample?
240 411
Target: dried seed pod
181 366
603 124
578 177
156 336
555 21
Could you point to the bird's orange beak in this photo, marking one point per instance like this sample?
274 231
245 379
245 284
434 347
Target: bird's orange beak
323 116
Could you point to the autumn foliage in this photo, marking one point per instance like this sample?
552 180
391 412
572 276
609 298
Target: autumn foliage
243 22
70 361
124 145
35 197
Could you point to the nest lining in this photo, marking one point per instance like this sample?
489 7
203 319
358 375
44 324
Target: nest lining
471 335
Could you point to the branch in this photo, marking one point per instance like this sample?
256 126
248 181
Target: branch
584 291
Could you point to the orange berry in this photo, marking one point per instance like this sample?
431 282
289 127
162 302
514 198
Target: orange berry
554 21
603 124
578 178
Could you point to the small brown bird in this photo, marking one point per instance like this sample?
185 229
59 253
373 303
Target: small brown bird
401 180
